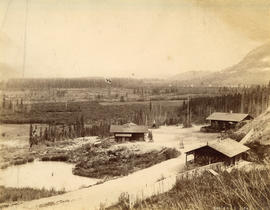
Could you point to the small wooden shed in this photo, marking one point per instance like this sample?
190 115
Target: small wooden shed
228 151
128 132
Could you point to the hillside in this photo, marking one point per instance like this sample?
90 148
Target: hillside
258 129
254 68
196 76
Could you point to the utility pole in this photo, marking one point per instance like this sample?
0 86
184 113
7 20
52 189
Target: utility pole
187 124
25 37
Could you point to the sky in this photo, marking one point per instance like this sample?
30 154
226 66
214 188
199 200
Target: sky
127 38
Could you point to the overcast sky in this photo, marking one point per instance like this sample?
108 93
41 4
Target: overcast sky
118 38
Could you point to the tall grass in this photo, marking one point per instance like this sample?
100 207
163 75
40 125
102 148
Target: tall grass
10 194
235 190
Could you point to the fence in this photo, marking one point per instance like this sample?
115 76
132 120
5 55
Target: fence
198 171
167 184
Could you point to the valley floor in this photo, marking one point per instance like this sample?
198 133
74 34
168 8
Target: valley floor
142 182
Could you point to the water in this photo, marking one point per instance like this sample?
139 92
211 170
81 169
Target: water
48 175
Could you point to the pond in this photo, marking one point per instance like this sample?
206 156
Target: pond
48 175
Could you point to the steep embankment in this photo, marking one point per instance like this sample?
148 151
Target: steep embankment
258 130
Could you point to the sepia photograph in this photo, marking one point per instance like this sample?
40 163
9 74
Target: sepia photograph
134 104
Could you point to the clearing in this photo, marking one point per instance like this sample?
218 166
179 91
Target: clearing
136 183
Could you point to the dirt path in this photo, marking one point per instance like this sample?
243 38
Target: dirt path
135 184
108 192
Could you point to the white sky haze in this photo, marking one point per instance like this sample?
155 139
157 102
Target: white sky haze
151 38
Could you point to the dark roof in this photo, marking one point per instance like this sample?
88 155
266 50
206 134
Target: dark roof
231 117
228 147
128 128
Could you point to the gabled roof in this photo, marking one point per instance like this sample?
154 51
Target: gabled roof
228 147
223 116
195 147
128 128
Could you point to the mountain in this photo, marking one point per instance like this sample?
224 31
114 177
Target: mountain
254 68
191 75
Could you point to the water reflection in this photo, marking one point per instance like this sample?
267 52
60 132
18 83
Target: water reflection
48 175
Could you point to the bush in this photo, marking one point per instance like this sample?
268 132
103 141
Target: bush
120 162
236 136
123 200
20 161
58 157
258 152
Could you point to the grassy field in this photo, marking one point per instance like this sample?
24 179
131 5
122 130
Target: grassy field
235 190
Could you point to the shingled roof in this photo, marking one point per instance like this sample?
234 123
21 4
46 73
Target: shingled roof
231 117
228 147
128 128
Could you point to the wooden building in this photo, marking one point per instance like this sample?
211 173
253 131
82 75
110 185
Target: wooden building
227 151
224 121
128 132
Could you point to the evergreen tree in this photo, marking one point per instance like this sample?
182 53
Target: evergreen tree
10 104
82 133
40 134
21 103
4 102
46 134
31 135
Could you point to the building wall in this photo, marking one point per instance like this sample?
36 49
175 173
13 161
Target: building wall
137 137
222 125
134 137
207 155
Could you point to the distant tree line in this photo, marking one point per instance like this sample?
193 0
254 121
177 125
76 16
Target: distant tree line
16 104
69 83
54 132
250 100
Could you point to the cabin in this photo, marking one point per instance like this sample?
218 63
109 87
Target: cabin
128 132
227 151
225 121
